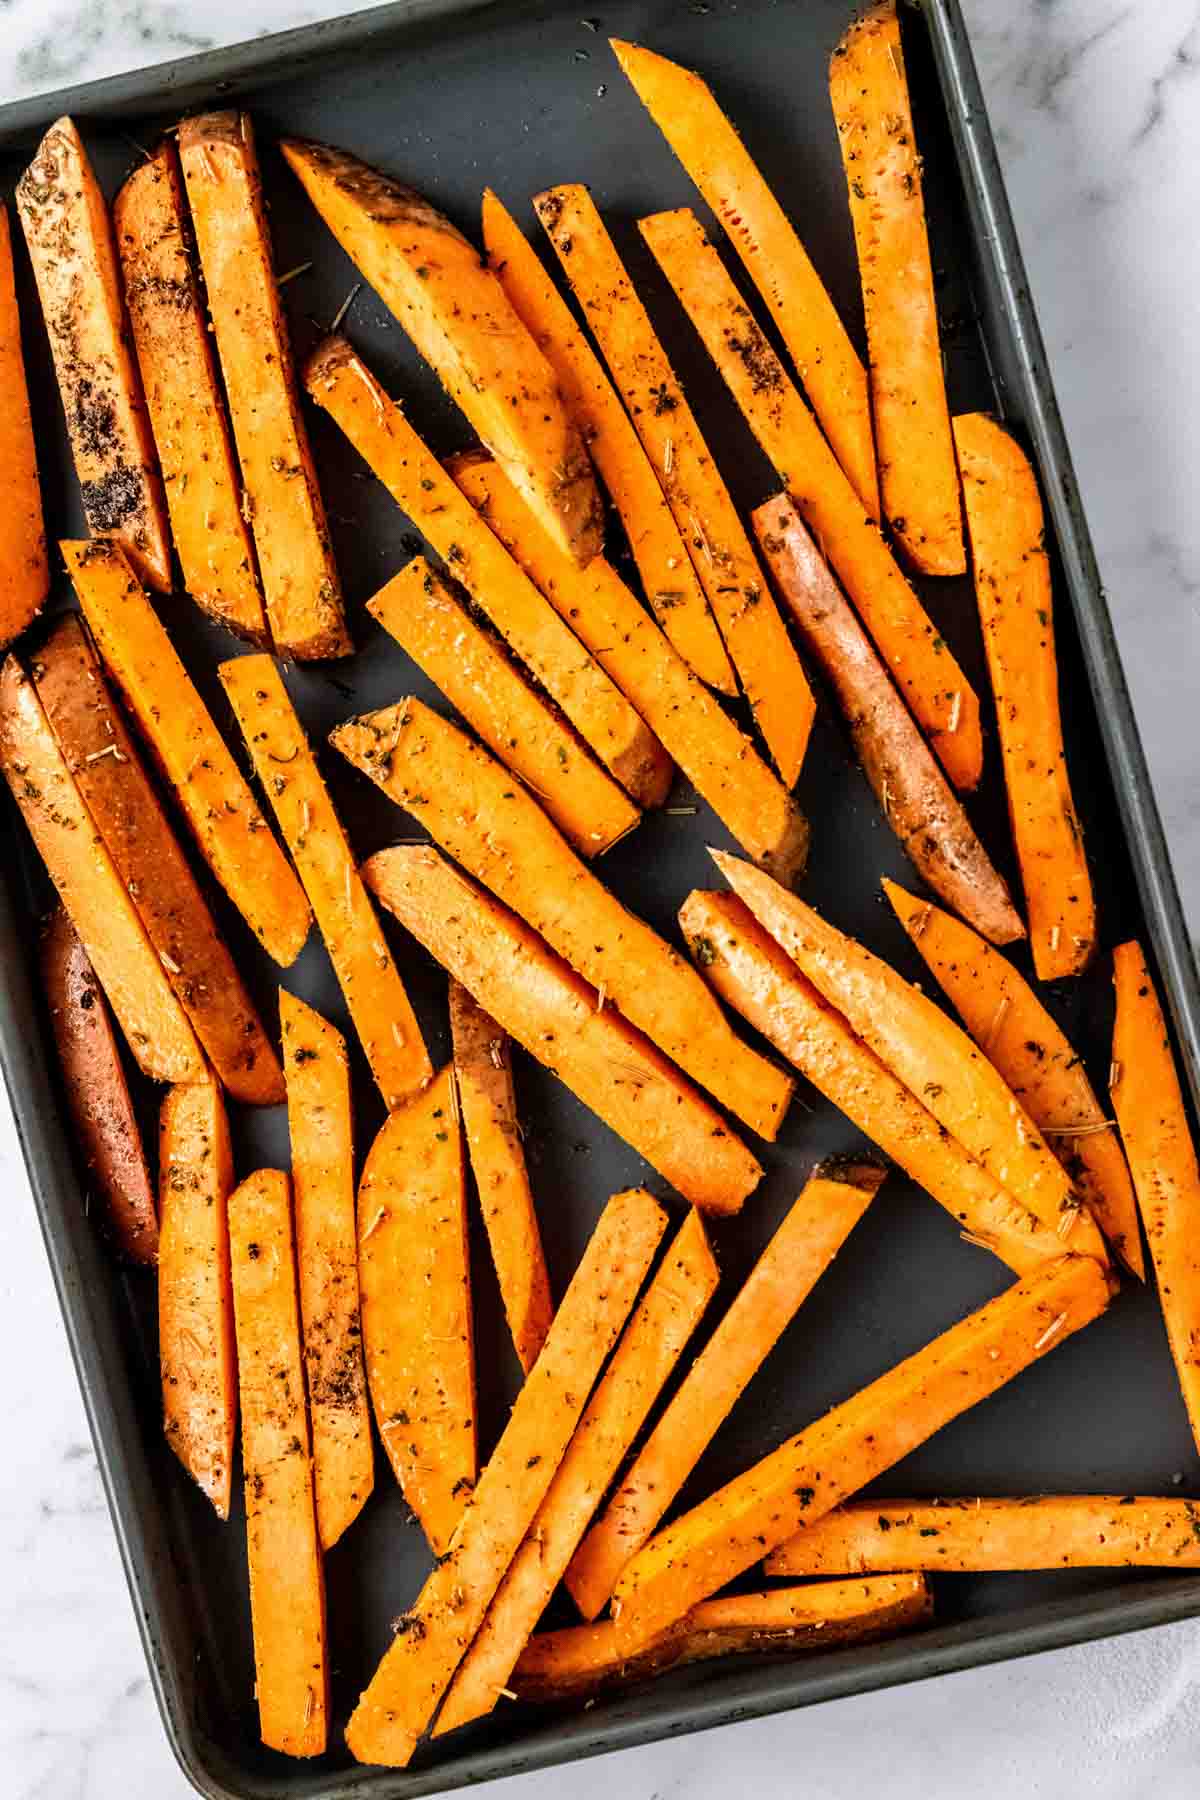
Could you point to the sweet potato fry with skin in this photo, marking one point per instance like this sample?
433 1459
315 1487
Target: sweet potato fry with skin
24 567
826 1463
483 1070
917 473
917 800
834 1199
339 381
195 1299
671 586
435 1634
723 557
108 771
1148 1101
70 240
187 413
938 693
414 1274
234 837
500 835
282 502
750 972
457 314
1047 1531
1020 1039
650 1346
582 1660
366 970
687 113
321 1128
516 723
136 984
287 1583
1013 593
720 762
558 1019
927 1051
102 1116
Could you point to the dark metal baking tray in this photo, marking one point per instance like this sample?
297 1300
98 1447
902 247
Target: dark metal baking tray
451 95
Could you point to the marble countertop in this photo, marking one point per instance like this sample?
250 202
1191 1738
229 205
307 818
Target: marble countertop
1096 105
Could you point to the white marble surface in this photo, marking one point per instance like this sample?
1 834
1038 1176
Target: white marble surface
1097 108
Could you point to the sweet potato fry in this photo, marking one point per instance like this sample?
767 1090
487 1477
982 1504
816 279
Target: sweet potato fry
558 1018
234 837
195 1299
187 412
498 833
826 1463
155 1025
321 1128
435 1634
287 1583
105 1125
833 1200
24 567
1148 1101
500 705
938 693
457 314
671 586
366 970
282 502
1020 1039
415 1278
720 762
483 1071
582 1660
650 1346
340 381
1039 1531
723 557
917 800
687 113
1013 593
873 113
751 973
928 1052
70 241
107 769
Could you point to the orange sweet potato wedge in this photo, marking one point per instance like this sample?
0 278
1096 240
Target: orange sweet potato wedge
24 565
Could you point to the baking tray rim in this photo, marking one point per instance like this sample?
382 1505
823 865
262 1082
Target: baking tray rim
770 1687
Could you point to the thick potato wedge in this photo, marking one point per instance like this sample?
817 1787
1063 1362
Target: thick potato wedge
187 413
457 314
70 241
668 578
855 1442
366 970
720 762
138 989
432 1637
108 772
195 1299
558 1018
687 113
102 1116
415 1281
282 498
227 822
515 721
321 1128
917 800
24 565
287 1581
